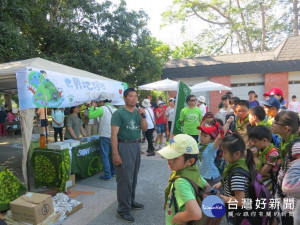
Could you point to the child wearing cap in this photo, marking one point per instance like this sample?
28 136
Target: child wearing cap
271 107
182 154
210 140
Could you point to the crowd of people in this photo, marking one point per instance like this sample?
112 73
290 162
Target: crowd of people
7 116
244 144
247 144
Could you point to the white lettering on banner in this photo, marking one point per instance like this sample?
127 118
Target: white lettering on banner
232 204
86 151
274 203
214 207
260 203
42 88
247 203
288 203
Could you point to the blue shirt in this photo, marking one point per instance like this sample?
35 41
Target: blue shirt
59 116
207 167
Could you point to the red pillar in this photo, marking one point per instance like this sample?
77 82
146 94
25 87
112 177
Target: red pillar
278 80
215 96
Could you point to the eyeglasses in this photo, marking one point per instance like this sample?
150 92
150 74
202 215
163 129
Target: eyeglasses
280 124
192 100
242 111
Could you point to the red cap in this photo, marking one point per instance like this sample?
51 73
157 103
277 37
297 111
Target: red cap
211 130
266 94
277 91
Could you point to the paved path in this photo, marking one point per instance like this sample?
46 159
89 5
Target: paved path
100 208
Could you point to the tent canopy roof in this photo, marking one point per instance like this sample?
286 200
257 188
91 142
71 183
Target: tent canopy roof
8 82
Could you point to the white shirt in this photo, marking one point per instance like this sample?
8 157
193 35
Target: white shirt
104 129
150 118
170 113
294 106
202 107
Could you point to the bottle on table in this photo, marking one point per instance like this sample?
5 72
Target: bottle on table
42 141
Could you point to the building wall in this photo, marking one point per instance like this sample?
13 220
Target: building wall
242 84
294 84
278 80
215 96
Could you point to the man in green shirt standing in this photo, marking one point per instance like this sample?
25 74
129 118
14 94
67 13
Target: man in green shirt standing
190 117
126 125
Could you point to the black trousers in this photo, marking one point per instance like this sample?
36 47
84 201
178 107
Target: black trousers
149 136
58 130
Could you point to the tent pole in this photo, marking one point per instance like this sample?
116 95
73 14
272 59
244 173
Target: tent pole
28 175
46 123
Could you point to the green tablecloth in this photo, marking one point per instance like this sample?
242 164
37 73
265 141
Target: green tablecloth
33 145
51 167
10 188
86 160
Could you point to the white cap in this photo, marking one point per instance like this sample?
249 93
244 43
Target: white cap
201 99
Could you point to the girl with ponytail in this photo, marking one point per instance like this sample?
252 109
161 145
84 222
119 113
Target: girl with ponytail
238 176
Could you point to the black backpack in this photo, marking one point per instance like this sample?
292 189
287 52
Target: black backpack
201 193
258 191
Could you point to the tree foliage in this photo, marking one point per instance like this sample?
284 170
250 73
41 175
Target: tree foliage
102 38
235 25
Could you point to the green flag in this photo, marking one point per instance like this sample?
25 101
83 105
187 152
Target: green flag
182 92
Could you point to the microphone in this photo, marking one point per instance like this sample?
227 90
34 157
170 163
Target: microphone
142 114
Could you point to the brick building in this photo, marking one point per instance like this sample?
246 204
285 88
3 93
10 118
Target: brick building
242 72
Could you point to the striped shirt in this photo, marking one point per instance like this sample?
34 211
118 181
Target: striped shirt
282 172
238 182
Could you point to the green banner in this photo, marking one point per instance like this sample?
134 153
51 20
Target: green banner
86 160
10 188
51 167
182 92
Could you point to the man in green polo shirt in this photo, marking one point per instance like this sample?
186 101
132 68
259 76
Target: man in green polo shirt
126 125
190 117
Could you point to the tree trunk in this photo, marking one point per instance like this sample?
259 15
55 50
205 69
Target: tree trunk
295 11
7 100
263 27
245 27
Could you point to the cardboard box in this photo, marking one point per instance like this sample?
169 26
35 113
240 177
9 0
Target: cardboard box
72 142
71 182
32 208
74 209
58 145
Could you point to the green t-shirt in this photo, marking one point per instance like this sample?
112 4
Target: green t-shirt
184 192
129 124
191 120
75 122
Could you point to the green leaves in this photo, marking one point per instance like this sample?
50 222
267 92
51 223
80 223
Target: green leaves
234 26
102 38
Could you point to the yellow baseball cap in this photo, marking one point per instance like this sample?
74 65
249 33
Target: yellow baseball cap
179 145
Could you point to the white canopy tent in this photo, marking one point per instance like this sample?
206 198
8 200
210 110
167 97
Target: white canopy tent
209 86
8 84
162 85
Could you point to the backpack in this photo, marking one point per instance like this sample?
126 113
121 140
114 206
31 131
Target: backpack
220 161
276 140
280 192
258 191
201 193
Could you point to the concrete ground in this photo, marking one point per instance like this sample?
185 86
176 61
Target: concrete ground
100 208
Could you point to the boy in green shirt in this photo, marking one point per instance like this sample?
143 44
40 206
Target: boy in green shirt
182 154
